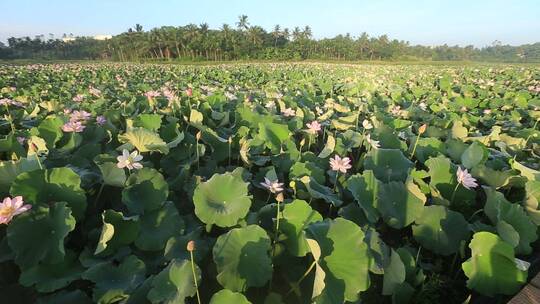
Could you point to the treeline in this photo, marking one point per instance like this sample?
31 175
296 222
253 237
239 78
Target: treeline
244 41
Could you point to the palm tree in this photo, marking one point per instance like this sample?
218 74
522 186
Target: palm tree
307 32
242 23
276 33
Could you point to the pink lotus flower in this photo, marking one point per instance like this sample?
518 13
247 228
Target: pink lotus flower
129 160
314 127
288 112
189 92
168 93
78 98
101 120
94 91
272 186
367 124
21 140
340 164
374 143
465 178
81 116
10 207
73 126
7 102
152 94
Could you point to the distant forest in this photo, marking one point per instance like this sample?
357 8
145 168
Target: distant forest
247 42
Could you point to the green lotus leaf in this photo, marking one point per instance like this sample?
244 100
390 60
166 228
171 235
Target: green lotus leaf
328 147
50 129
51 277
458 130
394 274
157 226
112 175
226 296
195 116
310 169
319 191
428 147
222 200
220 146
530 174
474 155
441 230
532 200
117 231
442 174
388 164
241 257
150 122
39 146
143 140
41 187
176 247
344 259
37 236
273 135
379 251
400 204
296 216
497 209
492 177
146 190
10 169
113 281
388 139
403 293
320 275
364 189
492 269
65 297
174 283
455 148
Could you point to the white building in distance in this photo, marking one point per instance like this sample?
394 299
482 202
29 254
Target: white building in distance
96 37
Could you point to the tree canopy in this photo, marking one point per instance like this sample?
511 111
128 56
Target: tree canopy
247 41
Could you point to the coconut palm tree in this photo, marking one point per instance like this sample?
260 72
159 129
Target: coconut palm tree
242 23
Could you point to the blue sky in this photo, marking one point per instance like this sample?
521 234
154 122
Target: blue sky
477 22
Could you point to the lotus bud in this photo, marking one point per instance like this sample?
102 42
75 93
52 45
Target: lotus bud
198 135
422 129
190 246
303 142
279 197
230 139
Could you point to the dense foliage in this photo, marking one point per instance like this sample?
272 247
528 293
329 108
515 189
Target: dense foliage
269 183
193 42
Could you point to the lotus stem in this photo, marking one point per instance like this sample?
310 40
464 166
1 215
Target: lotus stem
191 248
10 119
39 162
454 193
297 283
415 144
418 255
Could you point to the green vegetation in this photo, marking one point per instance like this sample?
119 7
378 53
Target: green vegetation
248 42
268 183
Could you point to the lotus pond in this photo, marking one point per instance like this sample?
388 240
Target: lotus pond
268 183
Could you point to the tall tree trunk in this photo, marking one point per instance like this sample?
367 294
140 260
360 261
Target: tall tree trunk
177 50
